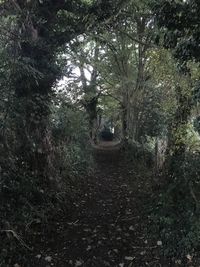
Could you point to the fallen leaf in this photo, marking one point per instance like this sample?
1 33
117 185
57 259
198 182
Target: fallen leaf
159 243
178 262
131 228
78 263
189 257
48 258
38 256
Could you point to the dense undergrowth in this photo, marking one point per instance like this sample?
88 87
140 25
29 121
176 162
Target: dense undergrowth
28 199
175 211
174 207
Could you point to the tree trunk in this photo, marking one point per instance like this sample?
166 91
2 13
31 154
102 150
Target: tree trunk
125 116
177 133
33 93
91 109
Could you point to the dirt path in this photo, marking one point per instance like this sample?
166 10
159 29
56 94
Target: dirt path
109 225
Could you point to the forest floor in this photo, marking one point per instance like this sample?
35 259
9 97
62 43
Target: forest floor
109 224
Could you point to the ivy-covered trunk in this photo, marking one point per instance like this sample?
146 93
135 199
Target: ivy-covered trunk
178 129
33 76
33 96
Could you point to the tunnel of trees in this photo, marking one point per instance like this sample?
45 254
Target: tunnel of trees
99 133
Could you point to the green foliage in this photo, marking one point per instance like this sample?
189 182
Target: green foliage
112 69
153 119
71 134
197 124
179 20
177 209
142 153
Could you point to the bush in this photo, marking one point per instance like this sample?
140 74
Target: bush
177 208
29 199
136 151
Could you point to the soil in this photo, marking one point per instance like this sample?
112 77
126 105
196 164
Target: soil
109 224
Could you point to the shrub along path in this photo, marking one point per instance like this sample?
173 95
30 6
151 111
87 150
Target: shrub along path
109 223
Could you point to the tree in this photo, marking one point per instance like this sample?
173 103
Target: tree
178 21
179 32
127 56
85 57
43 28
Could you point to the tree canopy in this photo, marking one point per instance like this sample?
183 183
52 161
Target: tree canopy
100 132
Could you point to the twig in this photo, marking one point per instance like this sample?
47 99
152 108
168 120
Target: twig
194 196
21 241
129 219
117 219
73 223
136 247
